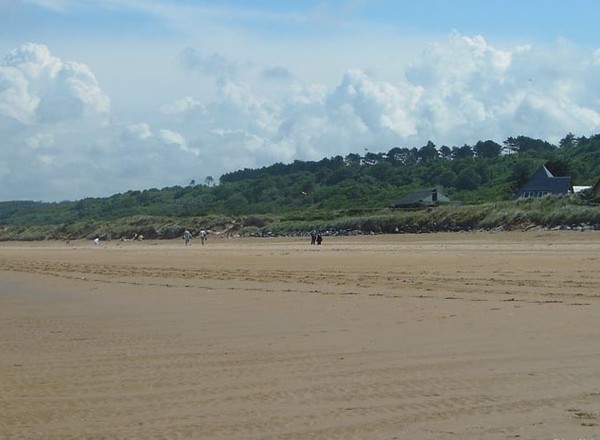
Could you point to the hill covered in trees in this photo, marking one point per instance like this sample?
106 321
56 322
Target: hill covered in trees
357 184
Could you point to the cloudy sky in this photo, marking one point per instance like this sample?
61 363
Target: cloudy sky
99 97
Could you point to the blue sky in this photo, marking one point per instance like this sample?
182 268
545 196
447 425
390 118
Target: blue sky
533 20
103 96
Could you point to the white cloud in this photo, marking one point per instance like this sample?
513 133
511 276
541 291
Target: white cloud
172 138
46 159
61 139
215 64
139 131
184 105
382 108
40 140
15 100
36 86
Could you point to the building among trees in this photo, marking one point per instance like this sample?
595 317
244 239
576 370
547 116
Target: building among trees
422 198
543 183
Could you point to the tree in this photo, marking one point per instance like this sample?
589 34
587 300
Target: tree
467 179
371 158
488 149
521 172
464 152
383 171
525 144
412 158
341 174
406 156
335 163
352 159
445 152
558 167
237 204
446 178
394 155
209 180
428 152
511 145
568 141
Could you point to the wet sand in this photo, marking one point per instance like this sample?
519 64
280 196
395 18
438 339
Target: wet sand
465 336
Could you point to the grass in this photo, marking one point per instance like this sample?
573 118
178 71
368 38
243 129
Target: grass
548 212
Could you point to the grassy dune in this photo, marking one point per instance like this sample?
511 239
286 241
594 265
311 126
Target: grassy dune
549 212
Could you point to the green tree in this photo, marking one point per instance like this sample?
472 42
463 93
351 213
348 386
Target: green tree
467 179
383 172
341 175
488 149
237 204
558 167
525 144
446 178
428 152
352 159
521 172
511 146
568 141
464 152
394 156
445 152
371 158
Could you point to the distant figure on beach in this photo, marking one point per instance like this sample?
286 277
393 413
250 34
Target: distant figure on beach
313 237
319 239
136 237
96 241
187 237
202 236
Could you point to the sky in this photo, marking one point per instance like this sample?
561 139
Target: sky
99 97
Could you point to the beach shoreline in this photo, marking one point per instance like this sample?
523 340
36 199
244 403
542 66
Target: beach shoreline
447 335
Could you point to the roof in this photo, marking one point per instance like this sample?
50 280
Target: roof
543 181
421 196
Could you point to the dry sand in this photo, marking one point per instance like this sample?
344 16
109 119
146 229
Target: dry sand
439 336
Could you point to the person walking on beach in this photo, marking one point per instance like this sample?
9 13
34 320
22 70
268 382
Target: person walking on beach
313 237
203 236
187 237
319 239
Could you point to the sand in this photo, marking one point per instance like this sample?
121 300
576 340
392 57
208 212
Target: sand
436 336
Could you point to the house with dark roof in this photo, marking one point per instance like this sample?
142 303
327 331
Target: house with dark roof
422 198
543 183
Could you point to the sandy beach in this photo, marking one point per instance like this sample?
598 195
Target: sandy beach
434 336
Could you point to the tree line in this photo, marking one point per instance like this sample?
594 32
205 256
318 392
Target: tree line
479 173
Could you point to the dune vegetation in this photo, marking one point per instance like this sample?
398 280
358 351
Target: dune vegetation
340 195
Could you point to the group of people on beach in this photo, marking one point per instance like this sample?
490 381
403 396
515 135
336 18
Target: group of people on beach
315 238
187 237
